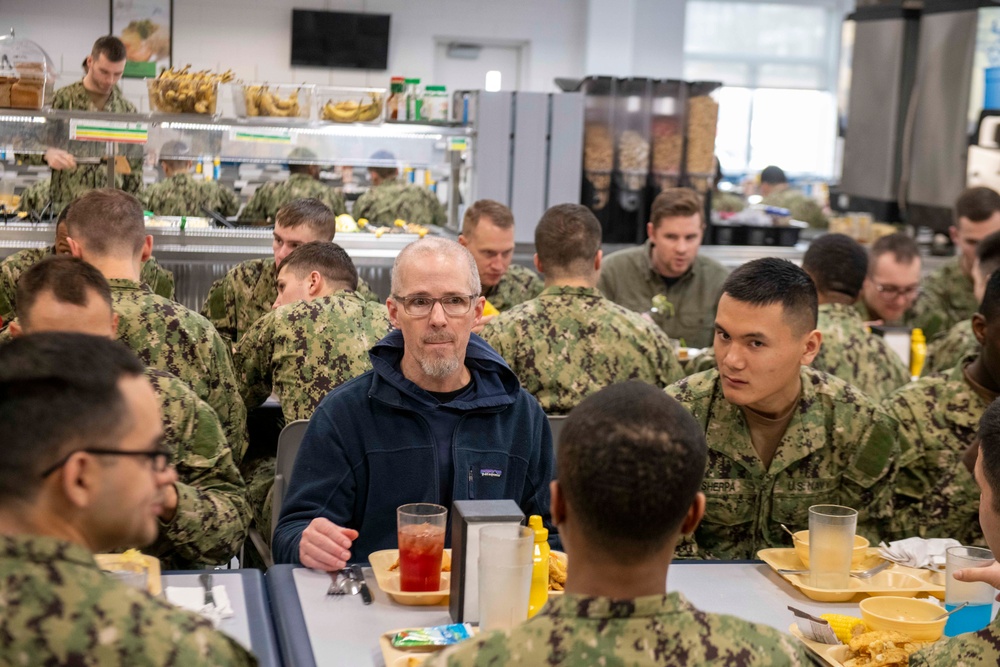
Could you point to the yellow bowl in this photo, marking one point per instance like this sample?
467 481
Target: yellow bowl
911 616
858 555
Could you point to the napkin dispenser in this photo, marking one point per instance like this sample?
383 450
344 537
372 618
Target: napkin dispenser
468 517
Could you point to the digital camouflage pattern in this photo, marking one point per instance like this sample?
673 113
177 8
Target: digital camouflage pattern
212 513
628 279
517 285
570 342
168 336
856 355
945 352
269 197
972 649
383 204
946 299
301 352
159 279
183 194
840 448
802 206
60 609
650 630
35 197
246 293
727 202
936 494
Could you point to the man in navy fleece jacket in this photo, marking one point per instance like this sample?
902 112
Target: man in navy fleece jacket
439 418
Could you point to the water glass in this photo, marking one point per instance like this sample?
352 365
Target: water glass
506 560
831 543
978 594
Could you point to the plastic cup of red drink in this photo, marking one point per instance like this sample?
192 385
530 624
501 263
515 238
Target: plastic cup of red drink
420 528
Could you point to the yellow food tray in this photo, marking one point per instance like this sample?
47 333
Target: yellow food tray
830 654
895 580
112 562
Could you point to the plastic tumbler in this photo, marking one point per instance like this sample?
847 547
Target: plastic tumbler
978 594
506 559
831 542
420 529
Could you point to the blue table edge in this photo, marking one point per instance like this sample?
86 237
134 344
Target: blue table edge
287 614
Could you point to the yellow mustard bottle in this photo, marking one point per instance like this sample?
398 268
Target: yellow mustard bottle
490 309
540 571
918 352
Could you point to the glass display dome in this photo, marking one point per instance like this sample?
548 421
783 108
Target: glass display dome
27 76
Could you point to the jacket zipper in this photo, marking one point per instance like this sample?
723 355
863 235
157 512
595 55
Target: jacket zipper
472 496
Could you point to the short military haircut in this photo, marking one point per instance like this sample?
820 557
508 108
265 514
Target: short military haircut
836 263
498 214
990 307
770 280
434 245
58 393
631 460
676 203
328 259
385 173
977 204
310 212
989 449
70 279
988 254
903 249
107 223
772 175
567 239
110 47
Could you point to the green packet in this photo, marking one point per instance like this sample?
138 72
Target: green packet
442 635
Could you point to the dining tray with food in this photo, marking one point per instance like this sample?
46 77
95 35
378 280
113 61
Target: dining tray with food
866 652
896 579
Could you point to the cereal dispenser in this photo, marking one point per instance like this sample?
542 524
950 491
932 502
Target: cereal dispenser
598 144
632 116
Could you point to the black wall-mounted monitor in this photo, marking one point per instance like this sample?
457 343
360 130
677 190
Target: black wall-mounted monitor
340 39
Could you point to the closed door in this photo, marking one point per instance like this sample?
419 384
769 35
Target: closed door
464 66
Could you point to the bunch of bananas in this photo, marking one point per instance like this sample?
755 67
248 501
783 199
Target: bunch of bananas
350 111
181 91
261 102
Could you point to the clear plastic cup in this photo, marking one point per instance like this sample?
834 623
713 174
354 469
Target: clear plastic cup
978 594
506 560
420 529
831 543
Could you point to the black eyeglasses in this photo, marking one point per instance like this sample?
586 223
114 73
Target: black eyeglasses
158 458
421 306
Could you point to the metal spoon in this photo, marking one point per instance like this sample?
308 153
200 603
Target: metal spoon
947 614
787 530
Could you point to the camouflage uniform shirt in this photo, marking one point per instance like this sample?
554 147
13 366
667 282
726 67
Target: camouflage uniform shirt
35 198
183 194
246 293
570 342
159 279
802 207
628 279
212 514
58 608
383 204
956 344
268 198
856 356
168 336
972 649
517 285
651 630
936 495
946 300
839 448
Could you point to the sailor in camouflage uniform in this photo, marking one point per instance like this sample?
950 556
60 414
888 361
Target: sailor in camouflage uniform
781 435
35 197
775 191
105 228
316 339
488 233
157 278
838 265
570 341
303 183
180 193
59 608
247 292
617 530
208 520
390 199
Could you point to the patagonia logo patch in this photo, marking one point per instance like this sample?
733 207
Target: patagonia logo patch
490 472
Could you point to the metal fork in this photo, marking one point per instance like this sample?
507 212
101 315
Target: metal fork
864 574
343 583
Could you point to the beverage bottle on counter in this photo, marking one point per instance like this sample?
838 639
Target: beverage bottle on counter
206 167
216 168
918 352
435 108
539 594
414 99
396 98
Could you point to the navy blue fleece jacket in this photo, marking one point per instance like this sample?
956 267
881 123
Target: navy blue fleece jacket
369 448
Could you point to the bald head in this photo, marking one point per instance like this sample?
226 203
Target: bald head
412 255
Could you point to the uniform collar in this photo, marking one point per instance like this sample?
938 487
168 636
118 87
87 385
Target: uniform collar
564 290
840 311
44 550
126 284
584 606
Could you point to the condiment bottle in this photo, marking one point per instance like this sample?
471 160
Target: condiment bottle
918 352
396 98
414 99
540 571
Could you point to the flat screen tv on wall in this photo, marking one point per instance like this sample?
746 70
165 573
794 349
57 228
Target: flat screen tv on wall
340 39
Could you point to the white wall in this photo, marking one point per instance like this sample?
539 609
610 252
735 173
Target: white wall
253 37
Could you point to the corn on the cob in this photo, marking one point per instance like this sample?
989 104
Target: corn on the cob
842 624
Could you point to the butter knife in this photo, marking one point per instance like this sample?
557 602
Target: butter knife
366 595
206 583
